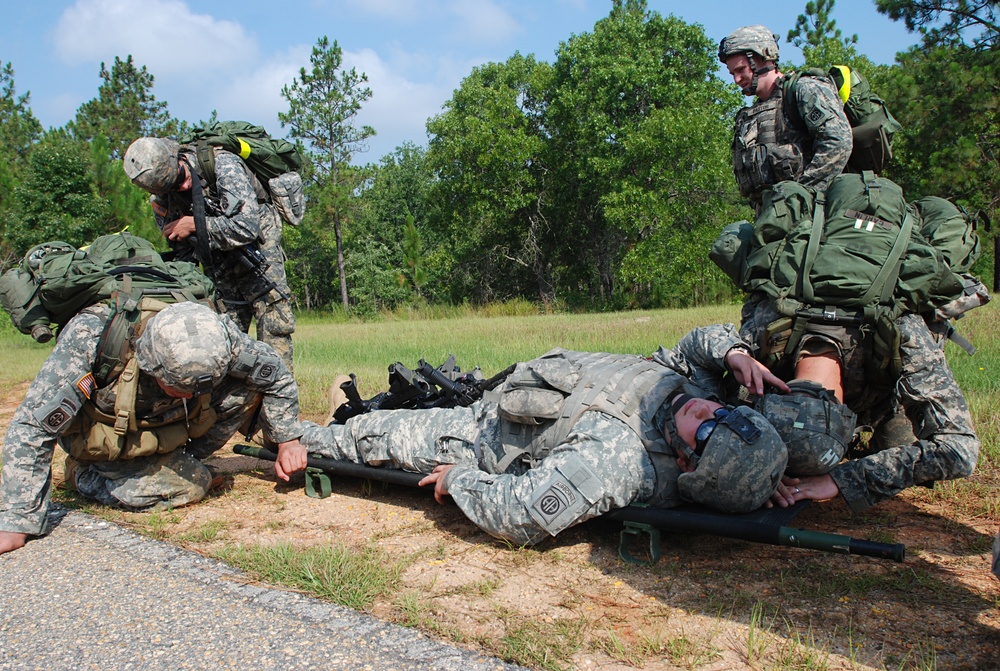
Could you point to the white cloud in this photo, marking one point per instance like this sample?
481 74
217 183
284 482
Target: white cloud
164 35
256 96
399 107
484 21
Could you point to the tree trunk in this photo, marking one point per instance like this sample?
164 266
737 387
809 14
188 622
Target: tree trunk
340 261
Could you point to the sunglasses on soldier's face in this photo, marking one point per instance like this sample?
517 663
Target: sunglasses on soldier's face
706 428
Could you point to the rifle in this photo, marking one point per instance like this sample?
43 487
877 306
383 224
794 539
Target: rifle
248 256
251 258
427 387
752 527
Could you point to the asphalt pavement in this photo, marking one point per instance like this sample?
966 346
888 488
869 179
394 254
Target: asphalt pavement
92 595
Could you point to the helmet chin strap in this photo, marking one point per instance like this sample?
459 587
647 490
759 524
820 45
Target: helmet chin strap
757 71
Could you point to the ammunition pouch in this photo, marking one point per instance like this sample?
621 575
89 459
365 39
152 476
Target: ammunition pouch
94 437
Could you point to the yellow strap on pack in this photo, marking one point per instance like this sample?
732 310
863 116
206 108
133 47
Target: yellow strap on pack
245 148
844 90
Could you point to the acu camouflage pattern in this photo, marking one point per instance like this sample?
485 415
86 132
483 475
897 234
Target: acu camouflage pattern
239 214
756 38
515 504
922 428
768 148
735 475
815 427
164 349
57 395
601 464
151 164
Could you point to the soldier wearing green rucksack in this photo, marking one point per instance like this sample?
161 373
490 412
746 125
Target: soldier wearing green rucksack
852 289
809 141
227 221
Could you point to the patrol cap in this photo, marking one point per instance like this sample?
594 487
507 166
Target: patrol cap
815 427
185 346
151 164
741 464
757 38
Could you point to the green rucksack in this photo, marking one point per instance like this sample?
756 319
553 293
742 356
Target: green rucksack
55 281
276 163
854 255
872 125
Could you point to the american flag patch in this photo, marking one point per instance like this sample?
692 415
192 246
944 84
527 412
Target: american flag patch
87 384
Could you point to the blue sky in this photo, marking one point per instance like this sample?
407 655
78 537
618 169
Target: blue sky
234 55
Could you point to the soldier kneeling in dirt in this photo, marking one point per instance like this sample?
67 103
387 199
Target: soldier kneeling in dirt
137 441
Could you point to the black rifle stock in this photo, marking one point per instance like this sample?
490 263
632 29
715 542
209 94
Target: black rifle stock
666 519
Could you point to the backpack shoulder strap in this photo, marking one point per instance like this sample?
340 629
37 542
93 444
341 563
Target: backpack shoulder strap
812 248
204 155
789 92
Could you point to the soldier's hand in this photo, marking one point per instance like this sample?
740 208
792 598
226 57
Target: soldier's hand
436 478
292 458
814 487
751 373
181 229
11 540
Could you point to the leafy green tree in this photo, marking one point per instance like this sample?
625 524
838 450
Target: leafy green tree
414 272
487 151
124 109
946 96
620 97
55 199
19 130
122 204
947 22
322 114
817 30
398 190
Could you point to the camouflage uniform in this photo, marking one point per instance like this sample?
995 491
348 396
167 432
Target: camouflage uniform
239 214
768 148
922 428
64 392
602 463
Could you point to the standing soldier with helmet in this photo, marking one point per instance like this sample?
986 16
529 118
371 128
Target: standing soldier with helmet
229 225
768 147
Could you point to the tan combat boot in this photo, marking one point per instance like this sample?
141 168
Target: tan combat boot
337 397
66 479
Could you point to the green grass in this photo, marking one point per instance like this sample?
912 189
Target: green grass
324 349
347 576
20 356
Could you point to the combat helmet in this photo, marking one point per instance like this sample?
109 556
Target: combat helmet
815 427
185 346
151 164
741 465
756 39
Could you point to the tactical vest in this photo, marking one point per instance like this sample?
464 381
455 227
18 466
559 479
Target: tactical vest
108 427
543 399
173 205
767 147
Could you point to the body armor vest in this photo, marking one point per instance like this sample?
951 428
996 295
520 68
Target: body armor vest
564 384
767 147
109 428
177 204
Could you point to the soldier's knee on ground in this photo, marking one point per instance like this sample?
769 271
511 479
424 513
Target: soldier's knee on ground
151 483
